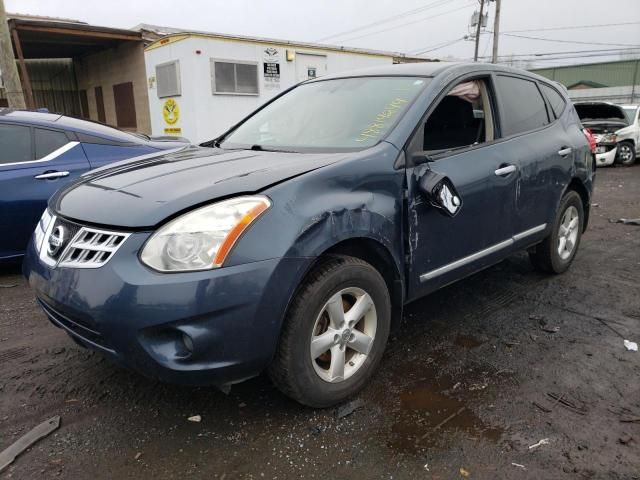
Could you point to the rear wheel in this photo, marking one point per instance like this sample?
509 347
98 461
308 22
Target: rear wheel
334 334
626 154
555 253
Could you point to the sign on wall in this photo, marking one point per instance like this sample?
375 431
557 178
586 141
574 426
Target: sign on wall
171 115
171 111
271 68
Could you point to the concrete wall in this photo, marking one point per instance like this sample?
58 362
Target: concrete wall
105 69
205 114
608 94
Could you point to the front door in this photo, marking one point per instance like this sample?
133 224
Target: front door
34 163
459 140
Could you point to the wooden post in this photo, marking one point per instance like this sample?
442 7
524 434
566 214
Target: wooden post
23 68
496 33
12 86
478 30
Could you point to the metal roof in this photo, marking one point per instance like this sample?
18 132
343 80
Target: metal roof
174 34
607 74
64 39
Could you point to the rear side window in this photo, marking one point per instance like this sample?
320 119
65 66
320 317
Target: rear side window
523 107
556 100
48 141
15 144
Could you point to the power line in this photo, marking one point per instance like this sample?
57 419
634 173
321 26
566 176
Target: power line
408 23
573 27
435 4
569 41
609 50
437 46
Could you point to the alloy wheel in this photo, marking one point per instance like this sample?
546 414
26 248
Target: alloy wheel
343 334
568 232
624 153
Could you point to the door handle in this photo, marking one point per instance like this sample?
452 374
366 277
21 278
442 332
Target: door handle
502 171
563 152
50 175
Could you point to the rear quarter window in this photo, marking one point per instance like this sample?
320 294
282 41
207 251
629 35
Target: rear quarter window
523 107
556 101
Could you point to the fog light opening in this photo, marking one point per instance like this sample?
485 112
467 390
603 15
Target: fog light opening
187 341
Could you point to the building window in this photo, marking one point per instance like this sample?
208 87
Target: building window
234 77
168 79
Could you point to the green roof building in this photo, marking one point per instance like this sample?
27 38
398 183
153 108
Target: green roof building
617 82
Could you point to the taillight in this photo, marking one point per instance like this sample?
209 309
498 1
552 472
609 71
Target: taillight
590 138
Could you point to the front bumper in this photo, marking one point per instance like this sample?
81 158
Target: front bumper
607 158
139 317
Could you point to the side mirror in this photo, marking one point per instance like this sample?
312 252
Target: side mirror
440 192
418 158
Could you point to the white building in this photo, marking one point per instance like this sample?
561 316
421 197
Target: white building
200 83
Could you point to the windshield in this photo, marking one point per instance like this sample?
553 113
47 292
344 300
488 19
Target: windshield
630 112
347 113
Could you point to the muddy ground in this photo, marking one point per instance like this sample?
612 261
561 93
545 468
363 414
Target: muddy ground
478 372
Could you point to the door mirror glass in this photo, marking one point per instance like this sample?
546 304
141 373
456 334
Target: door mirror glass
440 192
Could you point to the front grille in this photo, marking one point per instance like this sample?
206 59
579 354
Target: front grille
91 248
68 244
75 326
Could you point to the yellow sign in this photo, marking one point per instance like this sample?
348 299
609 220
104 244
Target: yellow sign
172 131
171 111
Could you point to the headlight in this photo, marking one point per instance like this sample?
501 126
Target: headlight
609 138
41 229
202 238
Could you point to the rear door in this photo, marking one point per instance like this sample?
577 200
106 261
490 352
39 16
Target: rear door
441 248
34 163
542 149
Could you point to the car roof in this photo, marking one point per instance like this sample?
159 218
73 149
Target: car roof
431 69
63 122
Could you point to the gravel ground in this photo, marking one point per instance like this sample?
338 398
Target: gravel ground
478 372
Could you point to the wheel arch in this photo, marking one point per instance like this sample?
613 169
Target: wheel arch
578 186
377 255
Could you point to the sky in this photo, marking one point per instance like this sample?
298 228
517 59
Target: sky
431 28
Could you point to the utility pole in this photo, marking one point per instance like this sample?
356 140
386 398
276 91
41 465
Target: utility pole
496 32
475 55
12 86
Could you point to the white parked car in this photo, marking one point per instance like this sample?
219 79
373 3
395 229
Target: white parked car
629 137
616 129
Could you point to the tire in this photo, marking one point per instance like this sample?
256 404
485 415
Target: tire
333 286
626 154
552 255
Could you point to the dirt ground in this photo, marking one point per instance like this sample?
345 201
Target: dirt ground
479 372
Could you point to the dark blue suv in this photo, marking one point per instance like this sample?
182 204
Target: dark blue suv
41 152
292 242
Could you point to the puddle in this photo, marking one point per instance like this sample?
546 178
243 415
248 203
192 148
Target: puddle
431 412
467 341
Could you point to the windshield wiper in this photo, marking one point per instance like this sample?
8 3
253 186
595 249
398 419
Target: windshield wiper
260 148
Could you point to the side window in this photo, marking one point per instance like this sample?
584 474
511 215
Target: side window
234 77
462 118
523 107
48 141
16 144
556 100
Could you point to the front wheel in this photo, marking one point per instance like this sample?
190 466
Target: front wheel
626 154
556 252
334 333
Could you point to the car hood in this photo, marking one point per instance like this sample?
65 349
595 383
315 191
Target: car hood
600 111
142 192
